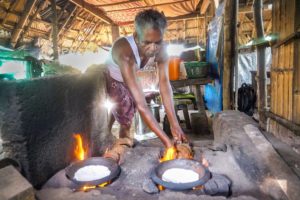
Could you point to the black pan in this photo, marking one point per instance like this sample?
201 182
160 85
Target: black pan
204 174
111 164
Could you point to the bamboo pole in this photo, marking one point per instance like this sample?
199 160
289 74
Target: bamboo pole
261 68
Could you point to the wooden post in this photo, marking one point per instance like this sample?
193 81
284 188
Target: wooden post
236 54
261 68
114 32
22 21
54 30
229 33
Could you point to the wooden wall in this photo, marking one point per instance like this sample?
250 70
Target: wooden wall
285 70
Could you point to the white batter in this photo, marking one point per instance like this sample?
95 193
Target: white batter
177 175
91 173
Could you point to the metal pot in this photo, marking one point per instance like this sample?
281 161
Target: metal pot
109 163
140 126
204 173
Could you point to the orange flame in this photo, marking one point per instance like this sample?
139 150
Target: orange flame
160 187
89 187
170 154
104 184
79 151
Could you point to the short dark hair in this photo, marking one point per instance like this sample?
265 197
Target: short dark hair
151 18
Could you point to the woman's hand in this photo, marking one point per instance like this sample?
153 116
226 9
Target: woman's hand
168 144
178 135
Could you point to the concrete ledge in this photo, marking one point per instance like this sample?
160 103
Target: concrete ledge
285 177
255 155
13 186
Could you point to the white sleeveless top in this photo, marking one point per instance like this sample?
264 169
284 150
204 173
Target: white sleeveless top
114 69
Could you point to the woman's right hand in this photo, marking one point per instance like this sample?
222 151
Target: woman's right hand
168 143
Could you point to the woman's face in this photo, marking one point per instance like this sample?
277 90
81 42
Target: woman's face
150 41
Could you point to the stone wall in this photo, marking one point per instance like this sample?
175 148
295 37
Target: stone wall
38 118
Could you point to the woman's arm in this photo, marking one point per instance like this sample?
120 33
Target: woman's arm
167 98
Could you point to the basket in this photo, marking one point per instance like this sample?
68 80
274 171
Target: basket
196 69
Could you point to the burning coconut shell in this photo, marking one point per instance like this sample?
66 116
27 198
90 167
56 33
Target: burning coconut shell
184 151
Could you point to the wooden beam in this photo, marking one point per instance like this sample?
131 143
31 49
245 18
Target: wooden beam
32 19
249 9
93 10
22 21
80 31
66 21
12 7
88 33
62 11
118 3
144 7
54 30
204 6
190 16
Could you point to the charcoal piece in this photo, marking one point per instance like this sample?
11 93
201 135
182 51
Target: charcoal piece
218 185
211 187
150 187
219 147
221 177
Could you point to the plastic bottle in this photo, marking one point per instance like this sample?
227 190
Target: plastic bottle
174 68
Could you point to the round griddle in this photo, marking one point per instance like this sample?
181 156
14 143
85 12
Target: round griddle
204 174
109 163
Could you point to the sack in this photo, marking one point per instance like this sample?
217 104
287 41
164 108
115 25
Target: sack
246 99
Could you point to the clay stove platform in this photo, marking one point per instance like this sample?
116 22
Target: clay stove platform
139 163
239 151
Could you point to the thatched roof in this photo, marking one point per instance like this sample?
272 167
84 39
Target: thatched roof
88 24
